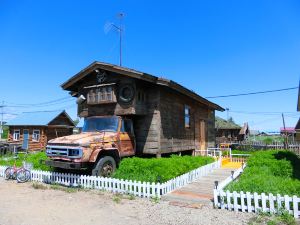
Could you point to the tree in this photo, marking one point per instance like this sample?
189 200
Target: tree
230 120
76 121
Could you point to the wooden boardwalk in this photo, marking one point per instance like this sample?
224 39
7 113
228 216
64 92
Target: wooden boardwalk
199 191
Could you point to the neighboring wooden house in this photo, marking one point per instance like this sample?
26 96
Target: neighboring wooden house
244 132
167 117
297 130
228 131
33 130
291 132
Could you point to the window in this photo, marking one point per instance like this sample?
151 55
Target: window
103 94
126 126
187 116
16 136
141 98
36 135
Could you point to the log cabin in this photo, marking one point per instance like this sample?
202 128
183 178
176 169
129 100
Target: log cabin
33 130
167 117
229 131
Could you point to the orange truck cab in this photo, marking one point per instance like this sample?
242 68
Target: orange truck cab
103 142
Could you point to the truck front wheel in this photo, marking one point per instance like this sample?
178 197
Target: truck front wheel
104 167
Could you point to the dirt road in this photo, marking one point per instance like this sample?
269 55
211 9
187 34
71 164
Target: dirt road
21 204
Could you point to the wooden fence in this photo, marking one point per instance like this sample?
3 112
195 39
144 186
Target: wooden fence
253 202
247 202
136 188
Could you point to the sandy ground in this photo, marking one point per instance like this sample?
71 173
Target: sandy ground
21 204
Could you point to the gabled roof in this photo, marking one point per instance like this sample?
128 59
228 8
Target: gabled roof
224 124
42 118
71 83
297 127
287 129
245 129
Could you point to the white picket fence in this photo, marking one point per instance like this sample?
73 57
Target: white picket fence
136 188
253 202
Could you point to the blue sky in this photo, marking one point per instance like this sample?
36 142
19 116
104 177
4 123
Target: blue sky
211 47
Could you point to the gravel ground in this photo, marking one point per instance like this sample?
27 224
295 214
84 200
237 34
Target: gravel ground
21 204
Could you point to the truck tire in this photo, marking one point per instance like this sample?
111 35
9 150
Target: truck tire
104 167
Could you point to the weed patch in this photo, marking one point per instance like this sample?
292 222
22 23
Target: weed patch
271 171
158 170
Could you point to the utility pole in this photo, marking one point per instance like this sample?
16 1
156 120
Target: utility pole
286 135
2 112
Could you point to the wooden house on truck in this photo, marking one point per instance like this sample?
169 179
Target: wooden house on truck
33 130
167 117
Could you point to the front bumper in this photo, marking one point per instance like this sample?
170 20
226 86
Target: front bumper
67 165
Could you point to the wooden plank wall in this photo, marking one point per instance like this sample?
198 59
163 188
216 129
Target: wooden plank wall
147 127
62 119
45 135
53 132
174 136
32 145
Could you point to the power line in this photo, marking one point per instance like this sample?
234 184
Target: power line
264 113
60 100
41 106
253 93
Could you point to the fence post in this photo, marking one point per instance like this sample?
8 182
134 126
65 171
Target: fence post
216 203
295 206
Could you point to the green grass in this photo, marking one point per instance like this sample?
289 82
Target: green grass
5 132
267 139
158 170
33 158
276 172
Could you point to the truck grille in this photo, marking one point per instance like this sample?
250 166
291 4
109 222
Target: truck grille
63 151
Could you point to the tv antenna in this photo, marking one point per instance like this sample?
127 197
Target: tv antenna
119 28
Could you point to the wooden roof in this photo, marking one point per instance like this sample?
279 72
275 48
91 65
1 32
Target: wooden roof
70 84
42 118
297 127
224 124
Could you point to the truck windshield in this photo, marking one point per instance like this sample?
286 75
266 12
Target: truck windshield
100 124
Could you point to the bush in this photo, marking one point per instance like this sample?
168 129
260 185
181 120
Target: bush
33 158
158 170
271 171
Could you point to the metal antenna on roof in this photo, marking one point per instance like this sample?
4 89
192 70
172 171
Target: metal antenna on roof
119 28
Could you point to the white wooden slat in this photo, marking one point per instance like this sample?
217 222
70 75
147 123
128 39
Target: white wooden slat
271 203
235 201
256 205
249 202
243 207
228 198
295 207
286 203
263 202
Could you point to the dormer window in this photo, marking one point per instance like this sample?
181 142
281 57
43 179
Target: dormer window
98 94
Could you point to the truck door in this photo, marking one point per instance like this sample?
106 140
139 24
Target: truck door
127 138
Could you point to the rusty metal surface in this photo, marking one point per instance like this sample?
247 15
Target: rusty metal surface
92 143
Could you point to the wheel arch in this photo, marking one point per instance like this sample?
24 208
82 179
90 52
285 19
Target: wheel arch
113 152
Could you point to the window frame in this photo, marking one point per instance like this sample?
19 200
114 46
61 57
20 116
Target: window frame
33 136
187 115
122 129
101 94
16 139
